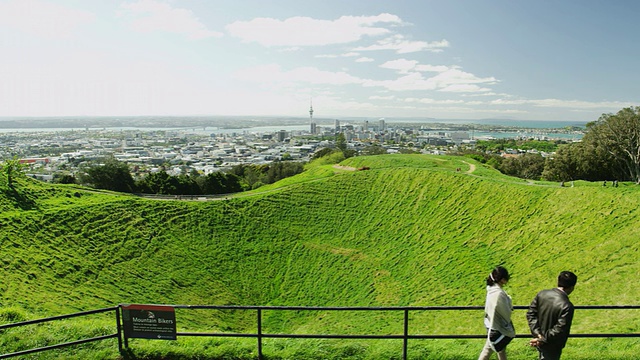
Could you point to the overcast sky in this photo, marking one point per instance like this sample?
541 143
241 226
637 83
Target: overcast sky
535 60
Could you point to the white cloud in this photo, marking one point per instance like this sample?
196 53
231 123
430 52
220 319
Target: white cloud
490 93
432 101
378 97
453 110
557 103
412 81
434 68
306 31
464 88
402 46
509 102
455 76
334 56
151 15
43 19
272 73
364 59
290 49
451 80
403 66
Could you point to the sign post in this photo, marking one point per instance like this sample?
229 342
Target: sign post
149 321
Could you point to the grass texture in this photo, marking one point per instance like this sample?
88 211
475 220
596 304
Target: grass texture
412 230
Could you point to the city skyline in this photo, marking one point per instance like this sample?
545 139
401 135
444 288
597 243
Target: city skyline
544 60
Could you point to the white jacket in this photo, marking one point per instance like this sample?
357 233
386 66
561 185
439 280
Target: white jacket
497 310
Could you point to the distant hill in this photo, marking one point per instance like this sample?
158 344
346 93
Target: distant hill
413 230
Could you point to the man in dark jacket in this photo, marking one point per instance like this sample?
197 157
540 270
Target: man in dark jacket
550 315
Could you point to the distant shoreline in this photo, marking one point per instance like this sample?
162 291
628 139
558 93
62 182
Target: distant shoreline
231 122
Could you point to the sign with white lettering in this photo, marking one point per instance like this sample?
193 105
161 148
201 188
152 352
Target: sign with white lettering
149 321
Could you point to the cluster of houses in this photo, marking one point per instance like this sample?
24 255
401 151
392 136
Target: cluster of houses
187 150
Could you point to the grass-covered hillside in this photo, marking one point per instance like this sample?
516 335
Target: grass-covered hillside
413 230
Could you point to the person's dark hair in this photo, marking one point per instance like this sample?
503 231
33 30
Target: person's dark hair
567 279
497 274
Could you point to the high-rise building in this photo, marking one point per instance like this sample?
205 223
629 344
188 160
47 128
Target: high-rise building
282 135
381 125
336 125
313 122
366 125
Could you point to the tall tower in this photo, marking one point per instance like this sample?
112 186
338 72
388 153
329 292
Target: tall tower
313 122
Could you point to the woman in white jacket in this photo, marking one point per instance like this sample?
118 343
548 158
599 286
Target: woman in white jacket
497 316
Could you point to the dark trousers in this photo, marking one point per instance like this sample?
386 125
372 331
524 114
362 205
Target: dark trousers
548 353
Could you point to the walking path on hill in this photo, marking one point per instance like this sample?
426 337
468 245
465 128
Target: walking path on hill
349 168
472 167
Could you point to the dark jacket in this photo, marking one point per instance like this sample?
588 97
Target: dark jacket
550 315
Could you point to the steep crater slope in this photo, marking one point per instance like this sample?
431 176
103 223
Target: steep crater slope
411 230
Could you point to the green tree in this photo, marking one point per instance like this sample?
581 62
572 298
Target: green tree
156 183
232 184
349 153
321 153
213 183
245 174
333 157
185 185
476 157
580 161
64 179
619 136
279 170
373 150
109 175
526 166
341 142
12 169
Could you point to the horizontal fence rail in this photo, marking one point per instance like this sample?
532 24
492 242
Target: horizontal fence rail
260 335
115 309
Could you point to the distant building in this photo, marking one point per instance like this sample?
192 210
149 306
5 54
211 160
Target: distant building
34 161
458 136
313 129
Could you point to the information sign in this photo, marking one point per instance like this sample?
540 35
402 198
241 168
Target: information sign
149 321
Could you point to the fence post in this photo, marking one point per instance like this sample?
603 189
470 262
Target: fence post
119 329
124 335
406 334
259 334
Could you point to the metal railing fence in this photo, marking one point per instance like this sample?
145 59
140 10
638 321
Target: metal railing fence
259 335
115 309
405 336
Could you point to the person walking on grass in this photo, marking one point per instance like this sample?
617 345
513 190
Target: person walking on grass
497 316
550 315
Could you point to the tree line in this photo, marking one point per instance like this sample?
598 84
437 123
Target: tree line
609 151
111 174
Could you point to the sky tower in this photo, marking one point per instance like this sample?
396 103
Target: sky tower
313 122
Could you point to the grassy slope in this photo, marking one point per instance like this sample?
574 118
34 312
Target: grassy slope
410 231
